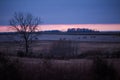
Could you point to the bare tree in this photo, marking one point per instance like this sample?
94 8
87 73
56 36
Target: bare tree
25 25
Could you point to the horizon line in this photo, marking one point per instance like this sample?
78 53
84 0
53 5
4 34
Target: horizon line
64 27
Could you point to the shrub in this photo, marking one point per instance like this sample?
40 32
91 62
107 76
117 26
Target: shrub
103 71
63 48
20 54
8 69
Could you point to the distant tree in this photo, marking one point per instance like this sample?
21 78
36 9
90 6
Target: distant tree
25 25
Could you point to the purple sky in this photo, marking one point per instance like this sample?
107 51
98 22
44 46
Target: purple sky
64 11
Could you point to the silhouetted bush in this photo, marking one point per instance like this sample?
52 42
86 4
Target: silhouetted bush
115 54
63 49
20 54
8 69
91 54
31 54
103 71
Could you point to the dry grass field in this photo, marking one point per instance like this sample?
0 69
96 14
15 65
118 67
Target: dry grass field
72 69
69 69
45 46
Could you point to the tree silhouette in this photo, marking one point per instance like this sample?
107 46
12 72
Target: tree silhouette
25 25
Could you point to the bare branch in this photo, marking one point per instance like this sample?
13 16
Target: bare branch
25 25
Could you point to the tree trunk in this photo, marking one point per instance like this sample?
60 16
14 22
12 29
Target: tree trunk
26 47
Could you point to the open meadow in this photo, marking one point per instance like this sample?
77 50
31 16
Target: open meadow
39 47
72 69
14 67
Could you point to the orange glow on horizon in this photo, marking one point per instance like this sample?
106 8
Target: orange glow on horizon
64 27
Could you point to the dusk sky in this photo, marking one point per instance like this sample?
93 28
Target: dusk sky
64 11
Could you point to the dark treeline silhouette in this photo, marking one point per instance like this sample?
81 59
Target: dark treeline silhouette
71 30
80 30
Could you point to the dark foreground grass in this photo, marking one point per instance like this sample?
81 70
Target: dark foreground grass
45 69
9 70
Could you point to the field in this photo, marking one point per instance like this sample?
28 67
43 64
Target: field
55 69
44 47
73 69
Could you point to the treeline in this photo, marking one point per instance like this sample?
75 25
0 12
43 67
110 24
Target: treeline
81 31
71 30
